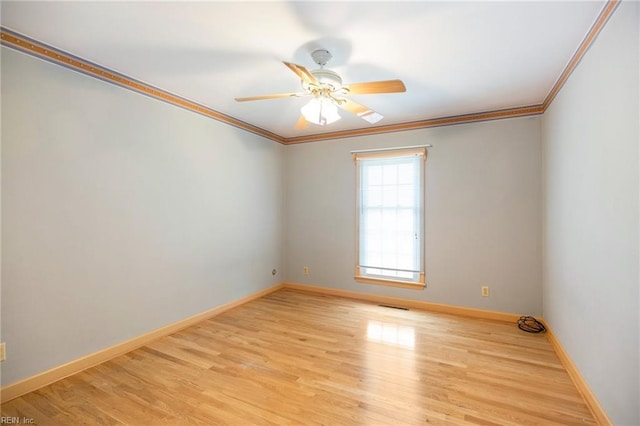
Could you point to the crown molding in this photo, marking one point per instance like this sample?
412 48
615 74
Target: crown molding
35 48
422 124
595 29
38 49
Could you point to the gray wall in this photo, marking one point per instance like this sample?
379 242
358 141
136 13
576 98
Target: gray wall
483 223
591 216
121 214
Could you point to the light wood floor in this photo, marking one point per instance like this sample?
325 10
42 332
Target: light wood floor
299 358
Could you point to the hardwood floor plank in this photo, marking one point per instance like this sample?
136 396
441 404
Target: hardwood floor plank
293 357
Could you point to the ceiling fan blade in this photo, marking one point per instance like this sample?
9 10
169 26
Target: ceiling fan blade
276 96
301 72
302 123
360 110
384 86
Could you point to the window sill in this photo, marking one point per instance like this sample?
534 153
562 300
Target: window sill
392 283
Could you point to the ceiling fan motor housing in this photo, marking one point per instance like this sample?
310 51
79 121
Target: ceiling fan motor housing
328 79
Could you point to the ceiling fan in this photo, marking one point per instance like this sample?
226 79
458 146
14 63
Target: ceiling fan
328 92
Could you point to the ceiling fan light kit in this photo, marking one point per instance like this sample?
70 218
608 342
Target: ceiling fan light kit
329 94
321 111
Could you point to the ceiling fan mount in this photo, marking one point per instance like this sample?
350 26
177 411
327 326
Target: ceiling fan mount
329 93
321 57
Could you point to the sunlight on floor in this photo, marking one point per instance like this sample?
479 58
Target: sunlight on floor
391 334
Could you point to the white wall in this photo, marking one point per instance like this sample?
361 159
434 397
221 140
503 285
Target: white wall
591 175
483 222
121 214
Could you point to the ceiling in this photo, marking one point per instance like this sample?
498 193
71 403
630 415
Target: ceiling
455 58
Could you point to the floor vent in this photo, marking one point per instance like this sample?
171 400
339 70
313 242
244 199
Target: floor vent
394 307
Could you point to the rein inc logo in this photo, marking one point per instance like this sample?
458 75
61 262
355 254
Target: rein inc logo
5 420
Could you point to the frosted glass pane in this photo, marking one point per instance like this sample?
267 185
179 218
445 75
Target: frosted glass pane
406 195
390 175
406 174
405 220
390 196
373 196
374 175
372 220
389 220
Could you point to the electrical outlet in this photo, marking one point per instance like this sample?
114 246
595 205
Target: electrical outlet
305 270
485 291
3 353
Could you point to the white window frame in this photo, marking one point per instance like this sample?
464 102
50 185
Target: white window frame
409 278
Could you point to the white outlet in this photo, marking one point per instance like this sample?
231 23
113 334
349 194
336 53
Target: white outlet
485 291
305 270
3 353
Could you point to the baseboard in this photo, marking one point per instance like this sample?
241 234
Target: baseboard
409 303
45 378
589 398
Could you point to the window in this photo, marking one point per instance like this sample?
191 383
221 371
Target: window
390 217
